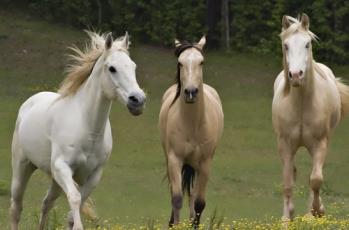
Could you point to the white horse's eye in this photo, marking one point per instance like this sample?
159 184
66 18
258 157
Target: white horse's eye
112 69
307 45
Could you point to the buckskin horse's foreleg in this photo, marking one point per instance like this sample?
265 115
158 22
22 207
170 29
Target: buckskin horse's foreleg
200 190
174 167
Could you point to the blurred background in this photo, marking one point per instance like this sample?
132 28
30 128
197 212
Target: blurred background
242 59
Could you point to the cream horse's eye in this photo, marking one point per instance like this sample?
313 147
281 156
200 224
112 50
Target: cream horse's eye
112 69
307 45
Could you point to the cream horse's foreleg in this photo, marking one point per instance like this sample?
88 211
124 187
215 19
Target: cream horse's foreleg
48 202
63 175
287 154
318 153
174 167
22 169
200 191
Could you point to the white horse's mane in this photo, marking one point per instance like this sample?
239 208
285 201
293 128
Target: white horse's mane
83 61
296 26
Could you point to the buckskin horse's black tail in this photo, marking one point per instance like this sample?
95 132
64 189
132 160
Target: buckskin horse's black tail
188 175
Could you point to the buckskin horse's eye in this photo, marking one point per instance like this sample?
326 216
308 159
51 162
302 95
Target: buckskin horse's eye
112 69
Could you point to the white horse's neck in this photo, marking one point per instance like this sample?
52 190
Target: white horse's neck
93 103
195 112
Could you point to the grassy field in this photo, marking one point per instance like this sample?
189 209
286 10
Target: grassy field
246 172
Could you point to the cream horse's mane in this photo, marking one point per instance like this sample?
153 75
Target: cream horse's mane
83 61
296 26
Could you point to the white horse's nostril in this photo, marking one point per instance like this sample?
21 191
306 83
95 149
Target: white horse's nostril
300 73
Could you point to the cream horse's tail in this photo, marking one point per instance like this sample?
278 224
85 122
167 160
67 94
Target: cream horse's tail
344 94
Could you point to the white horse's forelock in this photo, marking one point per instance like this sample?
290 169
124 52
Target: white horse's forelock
82 61
296 26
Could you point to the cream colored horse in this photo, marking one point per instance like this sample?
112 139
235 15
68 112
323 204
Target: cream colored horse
308 104
191 123
67 134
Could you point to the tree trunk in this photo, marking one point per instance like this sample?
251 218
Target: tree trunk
213 18
99 5
226 26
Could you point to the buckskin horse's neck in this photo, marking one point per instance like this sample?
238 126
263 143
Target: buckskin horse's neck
95 106
194 113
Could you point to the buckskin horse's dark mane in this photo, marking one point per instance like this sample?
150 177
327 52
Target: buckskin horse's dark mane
184 45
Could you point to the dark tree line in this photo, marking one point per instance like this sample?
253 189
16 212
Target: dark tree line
246 25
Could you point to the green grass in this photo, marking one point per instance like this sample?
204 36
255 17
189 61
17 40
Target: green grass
246 172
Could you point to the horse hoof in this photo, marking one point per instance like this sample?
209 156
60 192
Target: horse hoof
285 222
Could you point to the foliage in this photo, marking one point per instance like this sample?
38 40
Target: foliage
254 24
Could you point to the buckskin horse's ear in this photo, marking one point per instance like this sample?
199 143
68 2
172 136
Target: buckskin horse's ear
108 41
201 43
177 43
305 21
285 22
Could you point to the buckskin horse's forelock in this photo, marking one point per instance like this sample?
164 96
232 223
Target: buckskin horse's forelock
180 49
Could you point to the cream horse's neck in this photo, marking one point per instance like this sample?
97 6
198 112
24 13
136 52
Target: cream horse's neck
95 106
194 113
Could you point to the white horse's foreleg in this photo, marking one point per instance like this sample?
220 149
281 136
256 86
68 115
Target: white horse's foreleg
174 168
63 175
89 186
48 202
22 169
318 153
287 154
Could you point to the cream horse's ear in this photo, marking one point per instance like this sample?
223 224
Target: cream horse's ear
108 41
305 21
177 43
126 41
201 43
285 22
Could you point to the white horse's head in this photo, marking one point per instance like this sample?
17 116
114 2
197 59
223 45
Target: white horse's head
297 50
189 75
119 75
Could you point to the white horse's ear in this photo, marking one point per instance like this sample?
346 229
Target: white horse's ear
177 43
126 40
305 21
108 41
285 22
201 43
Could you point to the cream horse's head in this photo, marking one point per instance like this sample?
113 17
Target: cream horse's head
119 75
189 75
297 50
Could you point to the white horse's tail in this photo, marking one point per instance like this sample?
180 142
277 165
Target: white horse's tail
88 208
344 94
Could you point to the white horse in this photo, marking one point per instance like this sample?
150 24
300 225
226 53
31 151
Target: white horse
308 104
67 134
